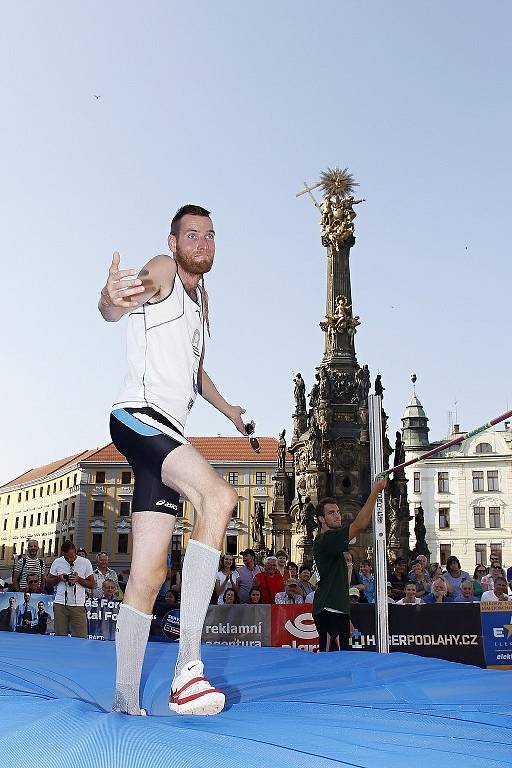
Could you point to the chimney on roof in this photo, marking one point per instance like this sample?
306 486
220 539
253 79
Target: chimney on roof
507 426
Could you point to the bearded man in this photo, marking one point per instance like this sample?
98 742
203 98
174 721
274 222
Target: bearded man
168 312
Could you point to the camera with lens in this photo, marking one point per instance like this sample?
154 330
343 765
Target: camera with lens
66 576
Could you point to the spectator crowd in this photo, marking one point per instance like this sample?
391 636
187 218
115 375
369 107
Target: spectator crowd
72 579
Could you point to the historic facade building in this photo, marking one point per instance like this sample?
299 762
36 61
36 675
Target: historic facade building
87 498
464 494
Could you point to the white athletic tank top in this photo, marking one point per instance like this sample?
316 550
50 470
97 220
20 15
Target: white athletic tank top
164 346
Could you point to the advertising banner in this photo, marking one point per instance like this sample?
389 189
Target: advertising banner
293 627
497 634
102 617
237 625
451 631
26 613
165 626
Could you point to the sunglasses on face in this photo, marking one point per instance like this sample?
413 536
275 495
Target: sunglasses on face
249 430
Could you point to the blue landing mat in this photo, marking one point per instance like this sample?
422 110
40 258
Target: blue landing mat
285 708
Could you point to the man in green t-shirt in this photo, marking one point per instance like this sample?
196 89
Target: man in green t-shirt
331 605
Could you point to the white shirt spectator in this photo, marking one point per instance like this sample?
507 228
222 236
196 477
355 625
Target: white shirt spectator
283 599
65 594
403 601
99 578
231 583
489 596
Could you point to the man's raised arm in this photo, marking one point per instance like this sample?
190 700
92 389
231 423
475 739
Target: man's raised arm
123 292
364 515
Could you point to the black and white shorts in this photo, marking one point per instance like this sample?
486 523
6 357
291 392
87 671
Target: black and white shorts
146 438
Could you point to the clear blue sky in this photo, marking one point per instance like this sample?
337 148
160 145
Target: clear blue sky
233 105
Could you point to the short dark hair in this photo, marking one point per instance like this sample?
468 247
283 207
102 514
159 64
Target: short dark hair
451 560
322 504
249 551
67 545
305 568
190 210
230 589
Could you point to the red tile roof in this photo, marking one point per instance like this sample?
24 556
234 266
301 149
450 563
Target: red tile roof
38 473
236 449
212 448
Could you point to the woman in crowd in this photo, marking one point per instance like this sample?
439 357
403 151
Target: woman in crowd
367 580
494 571
434 571
282 559
230 596
420 577
293 570
255 596
454 576
304 580
478 588
467 596
227 577
439 592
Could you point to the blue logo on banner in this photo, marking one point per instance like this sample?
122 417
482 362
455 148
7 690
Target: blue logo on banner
497 637
171 625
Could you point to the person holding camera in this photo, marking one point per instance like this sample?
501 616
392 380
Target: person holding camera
72 575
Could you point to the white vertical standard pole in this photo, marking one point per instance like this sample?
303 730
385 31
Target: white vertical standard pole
379 526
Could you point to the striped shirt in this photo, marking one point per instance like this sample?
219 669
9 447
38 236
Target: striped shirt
33 566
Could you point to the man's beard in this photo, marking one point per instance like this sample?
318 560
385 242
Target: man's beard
194 265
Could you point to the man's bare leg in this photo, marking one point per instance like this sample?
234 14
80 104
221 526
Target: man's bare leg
151 533
213 499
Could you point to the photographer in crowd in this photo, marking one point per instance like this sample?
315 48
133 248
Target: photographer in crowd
72 575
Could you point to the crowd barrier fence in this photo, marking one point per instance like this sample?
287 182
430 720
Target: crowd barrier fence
478 634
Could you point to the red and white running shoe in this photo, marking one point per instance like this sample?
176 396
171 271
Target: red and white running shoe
192 694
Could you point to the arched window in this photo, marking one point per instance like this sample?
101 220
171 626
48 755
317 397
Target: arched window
484 448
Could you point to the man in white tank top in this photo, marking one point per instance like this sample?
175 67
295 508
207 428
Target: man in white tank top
168 313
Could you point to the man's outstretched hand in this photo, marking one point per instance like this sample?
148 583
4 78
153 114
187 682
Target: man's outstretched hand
121 290
380 484
235 415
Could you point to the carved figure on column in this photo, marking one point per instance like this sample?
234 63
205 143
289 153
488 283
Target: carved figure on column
281 452
325 385
299 393
315 438
326 223
308 522
394 523
363 383
420 533
324 418
258 522
379 389
314 395
399 456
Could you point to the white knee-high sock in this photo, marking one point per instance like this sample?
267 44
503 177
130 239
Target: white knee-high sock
200 567
132 632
